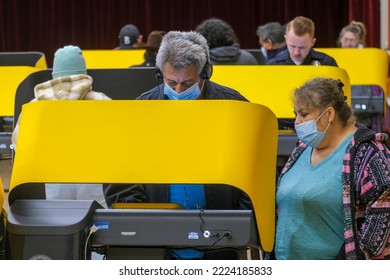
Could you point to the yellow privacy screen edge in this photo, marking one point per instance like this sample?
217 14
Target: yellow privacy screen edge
138 141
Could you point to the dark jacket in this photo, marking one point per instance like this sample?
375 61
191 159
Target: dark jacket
212 91
274 52
283 58
150 60
231 55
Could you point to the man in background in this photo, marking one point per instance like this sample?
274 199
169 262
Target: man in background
271 39
300 41
128 36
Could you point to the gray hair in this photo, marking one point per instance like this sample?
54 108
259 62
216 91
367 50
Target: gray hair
273 31
182 49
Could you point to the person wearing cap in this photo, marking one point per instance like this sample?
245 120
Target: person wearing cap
151 46
70 82
128 36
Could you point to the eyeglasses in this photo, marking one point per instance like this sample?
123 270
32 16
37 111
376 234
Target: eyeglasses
348 40
186 84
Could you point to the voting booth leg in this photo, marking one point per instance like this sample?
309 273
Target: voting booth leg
2 237
45 229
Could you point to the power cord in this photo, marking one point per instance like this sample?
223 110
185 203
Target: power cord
207 234
227 234
92 230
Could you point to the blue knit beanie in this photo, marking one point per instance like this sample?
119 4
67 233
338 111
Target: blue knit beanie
68 61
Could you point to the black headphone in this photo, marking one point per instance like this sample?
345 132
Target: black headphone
207 71
159 74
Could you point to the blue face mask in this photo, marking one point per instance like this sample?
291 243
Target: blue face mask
264 52
308 133
190 93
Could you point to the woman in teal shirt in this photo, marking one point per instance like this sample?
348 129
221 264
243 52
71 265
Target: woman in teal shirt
333 191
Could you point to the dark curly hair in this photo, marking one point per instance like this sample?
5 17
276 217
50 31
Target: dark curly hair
320 93
217 32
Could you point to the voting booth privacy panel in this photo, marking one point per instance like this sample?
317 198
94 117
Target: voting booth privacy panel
34 59
366 67
260 84
117 83
199 142
113 58
273 85
10 77
14 67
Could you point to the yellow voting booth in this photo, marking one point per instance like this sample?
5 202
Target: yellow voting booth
273 85
199 142
14 67
367 69
10 78
365 66
113 58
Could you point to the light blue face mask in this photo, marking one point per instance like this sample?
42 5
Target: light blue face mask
190 93
264 52
308 133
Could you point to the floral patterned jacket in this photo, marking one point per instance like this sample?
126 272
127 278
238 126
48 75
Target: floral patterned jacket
366 194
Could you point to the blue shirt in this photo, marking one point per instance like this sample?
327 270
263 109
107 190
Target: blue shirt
189 196
309 198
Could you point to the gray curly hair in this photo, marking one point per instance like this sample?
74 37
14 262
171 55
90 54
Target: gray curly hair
182 49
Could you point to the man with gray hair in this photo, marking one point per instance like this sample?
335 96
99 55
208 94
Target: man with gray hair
271 39
183 64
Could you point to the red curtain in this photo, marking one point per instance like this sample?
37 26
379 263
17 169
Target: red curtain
45 25
367 11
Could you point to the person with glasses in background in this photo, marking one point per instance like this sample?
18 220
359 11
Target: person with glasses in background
352 35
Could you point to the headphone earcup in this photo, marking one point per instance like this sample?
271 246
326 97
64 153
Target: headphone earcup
207 71
159 74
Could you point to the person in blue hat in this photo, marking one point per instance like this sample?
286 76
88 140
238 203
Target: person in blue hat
70 82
